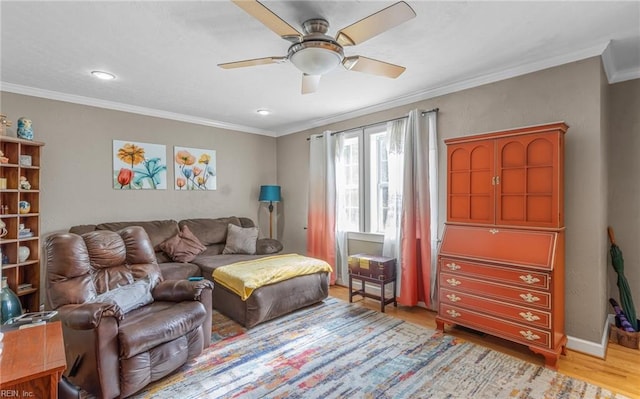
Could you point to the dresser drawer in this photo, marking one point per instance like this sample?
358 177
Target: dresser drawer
525 278
519 314
517 295
502 328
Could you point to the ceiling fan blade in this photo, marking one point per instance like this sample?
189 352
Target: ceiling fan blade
268 19
310 83
375 24
253 62
368 65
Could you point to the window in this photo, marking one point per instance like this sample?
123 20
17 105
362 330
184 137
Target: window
366 183
351 163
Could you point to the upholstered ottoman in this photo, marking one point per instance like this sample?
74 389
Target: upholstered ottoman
271 299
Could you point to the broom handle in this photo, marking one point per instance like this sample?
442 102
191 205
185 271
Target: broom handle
612 238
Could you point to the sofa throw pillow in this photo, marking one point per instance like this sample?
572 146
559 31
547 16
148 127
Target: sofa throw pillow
128 297
241 240
266 246
183 247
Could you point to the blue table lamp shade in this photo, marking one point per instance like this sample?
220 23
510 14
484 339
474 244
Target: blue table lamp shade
270 194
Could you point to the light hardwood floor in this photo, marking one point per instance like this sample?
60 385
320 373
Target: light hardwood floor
619 372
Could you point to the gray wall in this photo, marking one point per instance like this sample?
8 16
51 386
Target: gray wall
573 93
624 180
76 175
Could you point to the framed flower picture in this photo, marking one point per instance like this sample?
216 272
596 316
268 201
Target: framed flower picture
195 169
139 166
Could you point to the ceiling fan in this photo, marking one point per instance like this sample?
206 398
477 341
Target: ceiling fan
316 53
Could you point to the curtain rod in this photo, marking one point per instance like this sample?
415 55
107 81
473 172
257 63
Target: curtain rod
371 124
422 113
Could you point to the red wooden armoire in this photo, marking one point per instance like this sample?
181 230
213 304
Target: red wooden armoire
501 262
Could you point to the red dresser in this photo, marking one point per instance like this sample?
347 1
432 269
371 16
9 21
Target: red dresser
501 262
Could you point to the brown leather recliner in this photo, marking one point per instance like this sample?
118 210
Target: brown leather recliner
123 326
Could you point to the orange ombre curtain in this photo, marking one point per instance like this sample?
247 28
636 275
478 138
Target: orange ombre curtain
417 217
321 223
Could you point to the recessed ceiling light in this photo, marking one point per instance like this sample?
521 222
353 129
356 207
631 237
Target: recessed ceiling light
103 75
263 111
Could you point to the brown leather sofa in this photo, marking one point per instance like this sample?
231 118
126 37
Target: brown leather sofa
211 232
124 326
264 304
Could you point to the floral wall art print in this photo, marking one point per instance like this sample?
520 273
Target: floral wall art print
139 166
195 169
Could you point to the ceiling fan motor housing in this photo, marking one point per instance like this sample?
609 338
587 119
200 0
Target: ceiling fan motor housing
317 53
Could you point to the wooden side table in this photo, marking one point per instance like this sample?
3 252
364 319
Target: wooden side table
32 361
373 269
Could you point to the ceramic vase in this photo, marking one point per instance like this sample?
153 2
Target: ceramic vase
10 305
23 253
24 207
24 131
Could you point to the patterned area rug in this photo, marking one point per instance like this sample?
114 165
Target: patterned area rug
339 350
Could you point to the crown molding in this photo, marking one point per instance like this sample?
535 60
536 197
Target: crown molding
622 76
94 102
602 50
615 75
453 87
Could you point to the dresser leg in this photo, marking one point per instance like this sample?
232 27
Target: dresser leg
550 356
563 349
439 324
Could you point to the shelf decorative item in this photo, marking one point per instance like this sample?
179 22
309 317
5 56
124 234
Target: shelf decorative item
4 124
23 253
25 130
10 305
24 207
25 160
24 183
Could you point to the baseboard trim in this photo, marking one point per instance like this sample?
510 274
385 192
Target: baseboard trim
592 348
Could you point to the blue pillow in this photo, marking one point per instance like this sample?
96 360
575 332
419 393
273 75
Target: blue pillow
128 297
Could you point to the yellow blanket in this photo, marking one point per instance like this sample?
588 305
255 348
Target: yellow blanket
245 277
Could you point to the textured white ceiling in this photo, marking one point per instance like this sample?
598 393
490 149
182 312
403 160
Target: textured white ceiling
164 54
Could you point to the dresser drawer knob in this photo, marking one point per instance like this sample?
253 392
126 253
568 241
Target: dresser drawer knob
453 297
453 313
453 266
529 316
529 298
528 335
529 279
494 231
453 282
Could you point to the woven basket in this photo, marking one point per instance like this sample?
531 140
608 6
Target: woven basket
624 338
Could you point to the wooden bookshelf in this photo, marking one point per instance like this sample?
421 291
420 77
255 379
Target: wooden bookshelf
21 159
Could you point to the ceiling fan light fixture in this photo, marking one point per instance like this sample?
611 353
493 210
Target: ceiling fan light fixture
316 57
